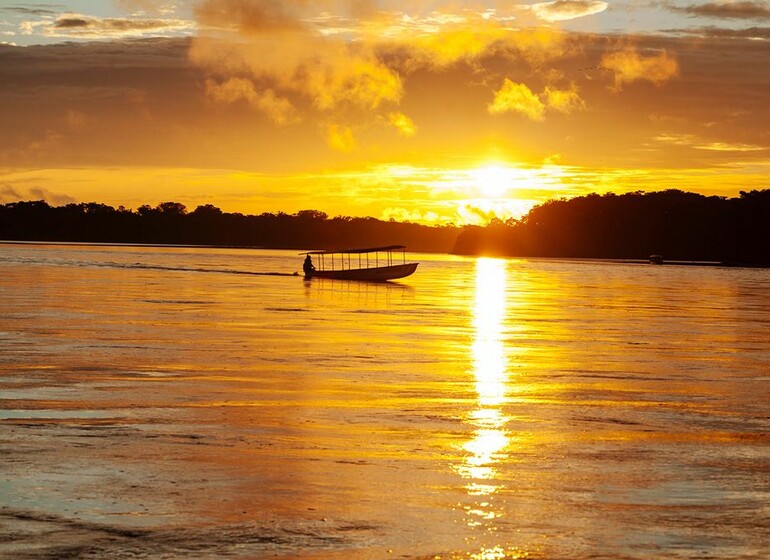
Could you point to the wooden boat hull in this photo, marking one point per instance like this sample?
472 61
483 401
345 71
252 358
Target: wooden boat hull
378 274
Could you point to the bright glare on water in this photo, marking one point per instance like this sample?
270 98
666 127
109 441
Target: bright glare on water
169 402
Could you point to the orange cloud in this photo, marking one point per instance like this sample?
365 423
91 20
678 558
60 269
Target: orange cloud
358 79
278 109
345 55
518 98
628 66
330 73
76 119
340 138
564 100
476 38
403 123
452 43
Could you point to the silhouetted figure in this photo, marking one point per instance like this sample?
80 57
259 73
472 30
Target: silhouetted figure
308 267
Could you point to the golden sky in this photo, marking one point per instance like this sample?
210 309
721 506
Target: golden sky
433 111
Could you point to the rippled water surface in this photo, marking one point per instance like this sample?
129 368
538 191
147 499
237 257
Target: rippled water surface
169 402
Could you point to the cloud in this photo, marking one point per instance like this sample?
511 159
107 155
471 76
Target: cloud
73 104
726 10
410 215
278 109
73 22
452 42
163 7
81 93
329 73
694 142
564 101
403 123
76 120
250 16
514 97
562 10
726 33
40 10
11 193
347 56
51 141
39 193
676 139
340 138
725 147
72 25
363 80
628 66
470 213
145 105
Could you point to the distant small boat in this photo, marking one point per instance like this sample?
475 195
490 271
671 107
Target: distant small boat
365 264
656 259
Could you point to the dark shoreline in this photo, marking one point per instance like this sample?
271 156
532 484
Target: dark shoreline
686 229
723 264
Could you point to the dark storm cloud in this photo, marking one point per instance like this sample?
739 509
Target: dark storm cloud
88 26
35 10
726 10
42 64
726 33
67 101
68 23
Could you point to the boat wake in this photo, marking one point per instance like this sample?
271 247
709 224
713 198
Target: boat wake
190 269
145 266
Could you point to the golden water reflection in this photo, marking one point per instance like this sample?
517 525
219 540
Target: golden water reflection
487 447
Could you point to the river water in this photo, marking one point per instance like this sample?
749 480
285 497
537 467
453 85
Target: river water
179 403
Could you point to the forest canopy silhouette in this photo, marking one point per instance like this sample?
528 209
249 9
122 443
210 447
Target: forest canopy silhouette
676 224
673 223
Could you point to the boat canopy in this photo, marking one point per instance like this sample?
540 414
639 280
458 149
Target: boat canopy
357 251
373 264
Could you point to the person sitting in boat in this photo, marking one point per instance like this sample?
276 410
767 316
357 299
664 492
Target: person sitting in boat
308 266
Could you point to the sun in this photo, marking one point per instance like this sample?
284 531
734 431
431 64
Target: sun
492 181
474 194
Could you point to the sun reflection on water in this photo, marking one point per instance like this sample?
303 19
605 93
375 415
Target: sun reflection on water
496 553
486 448
489 364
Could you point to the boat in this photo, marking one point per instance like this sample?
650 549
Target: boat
370 264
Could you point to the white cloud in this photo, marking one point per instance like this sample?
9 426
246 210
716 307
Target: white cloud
562 10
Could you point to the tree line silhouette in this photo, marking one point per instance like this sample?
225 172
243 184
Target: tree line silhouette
171 223
676 224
